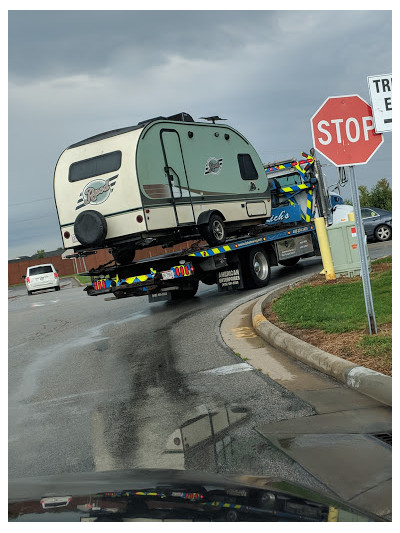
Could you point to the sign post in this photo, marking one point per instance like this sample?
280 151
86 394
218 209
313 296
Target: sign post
343 131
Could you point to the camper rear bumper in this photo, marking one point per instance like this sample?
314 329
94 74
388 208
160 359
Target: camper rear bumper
119 226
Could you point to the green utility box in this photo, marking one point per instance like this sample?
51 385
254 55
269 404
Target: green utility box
343 243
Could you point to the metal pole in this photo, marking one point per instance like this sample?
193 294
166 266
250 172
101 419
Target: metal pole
369 305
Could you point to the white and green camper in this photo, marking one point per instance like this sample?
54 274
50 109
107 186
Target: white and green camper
163 181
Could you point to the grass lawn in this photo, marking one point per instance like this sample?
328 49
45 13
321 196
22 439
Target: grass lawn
332 315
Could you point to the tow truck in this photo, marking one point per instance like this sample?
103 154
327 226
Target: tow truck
298 194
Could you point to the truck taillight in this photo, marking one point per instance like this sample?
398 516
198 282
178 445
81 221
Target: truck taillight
55 275
27 279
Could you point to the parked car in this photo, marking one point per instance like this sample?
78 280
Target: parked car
39 277
377 223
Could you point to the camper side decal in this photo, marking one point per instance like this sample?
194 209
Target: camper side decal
96 192
213 166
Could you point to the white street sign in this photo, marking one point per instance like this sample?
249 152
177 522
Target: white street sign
380 92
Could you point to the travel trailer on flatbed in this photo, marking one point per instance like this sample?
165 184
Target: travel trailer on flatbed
163 181
239 224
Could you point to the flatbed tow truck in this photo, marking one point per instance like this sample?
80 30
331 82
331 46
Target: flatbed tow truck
298 193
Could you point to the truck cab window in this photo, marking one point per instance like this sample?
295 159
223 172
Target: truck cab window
247 169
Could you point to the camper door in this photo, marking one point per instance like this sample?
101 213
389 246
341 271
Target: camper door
175 171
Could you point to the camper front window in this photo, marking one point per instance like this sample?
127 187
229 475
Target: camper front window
247 169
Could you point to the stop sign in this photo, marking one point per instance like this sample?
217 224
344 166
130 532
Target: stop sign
343 130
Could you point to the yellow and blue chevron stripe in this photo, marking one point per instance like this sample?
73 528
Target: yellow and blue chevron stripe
225 505
213 251
289 192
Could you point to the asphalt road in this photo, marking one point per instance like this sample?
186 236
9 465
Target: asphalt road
108 385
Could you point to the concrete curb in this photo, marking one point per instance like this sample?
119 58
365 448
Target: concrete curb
368 382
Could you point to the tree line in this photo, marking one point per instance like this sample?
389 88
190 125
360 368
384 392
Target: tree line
379 196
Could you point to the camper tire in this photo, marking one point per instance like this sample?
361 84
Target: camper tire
214 231
256 268
123 256
90 228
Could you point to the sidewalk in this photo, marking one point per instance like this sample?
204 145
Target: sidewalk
341 445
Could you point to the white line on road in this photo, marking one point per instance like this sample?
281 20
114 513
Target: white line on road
230 369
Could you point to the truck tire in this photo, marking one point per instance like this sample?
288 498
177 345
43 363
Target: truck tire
214 231
256 268
383 233
185 294
289 262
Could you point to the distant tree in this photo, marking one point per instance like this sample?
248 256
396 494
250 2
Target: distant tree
364 196
39 254
379 196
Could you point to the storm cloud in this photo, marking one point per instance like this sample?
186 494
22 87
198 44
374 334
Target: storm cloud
73 74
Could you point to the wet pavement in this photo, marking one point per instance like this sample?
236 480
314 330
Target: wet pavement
96 385
340 442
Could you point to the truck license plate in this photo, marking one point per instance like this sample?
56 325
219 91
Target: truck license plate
167 274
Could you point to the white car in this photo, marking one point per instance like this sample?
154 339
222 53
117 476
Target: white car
40 277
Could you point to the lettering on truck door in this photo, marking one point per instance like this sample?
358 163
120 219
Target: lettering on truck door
176 173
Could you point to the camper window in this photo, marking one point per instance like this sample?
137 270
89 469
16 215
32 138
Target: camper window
247 169
95 166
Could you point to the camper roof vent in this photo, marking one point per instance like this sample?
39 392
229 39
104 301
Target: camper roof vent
181 117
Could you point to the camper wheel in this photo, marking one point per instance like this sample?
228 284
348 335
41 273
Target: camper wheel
123 256
214 231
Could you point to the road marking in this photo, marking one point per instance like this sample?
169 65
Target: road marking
230 369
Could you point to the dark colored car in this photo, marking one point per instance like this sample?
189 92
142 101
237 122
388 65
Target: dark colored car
172 495
377 223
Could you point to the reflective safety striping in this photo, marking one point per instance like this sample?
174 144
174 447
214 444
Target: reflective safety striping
295 188
135 279
230 369
226 505
213 251
309 212
292 164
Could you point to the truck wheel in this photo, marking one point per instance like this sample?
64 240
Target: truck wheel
256 268
289 262
185 294
383 233
214 231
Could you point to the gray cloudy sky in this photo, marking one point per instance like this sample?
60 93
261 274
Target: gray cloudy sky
73 74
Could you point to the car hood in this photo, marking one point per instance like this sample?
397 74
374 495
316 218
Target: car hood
163 495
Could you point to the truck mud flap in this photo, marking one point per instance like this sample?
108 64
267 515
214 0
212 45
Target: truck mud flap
230 278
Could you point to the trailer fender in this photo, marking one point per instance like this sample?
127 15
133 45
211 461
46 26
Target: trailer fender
205 216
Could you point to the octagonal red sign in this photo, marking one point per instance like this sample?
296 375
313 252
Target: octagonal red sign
343 130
